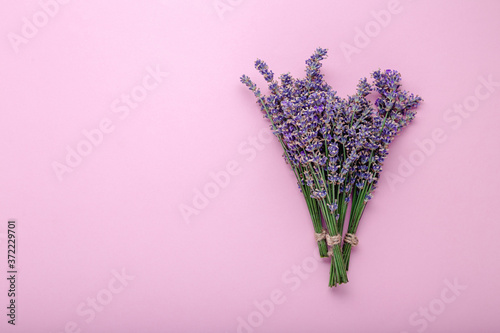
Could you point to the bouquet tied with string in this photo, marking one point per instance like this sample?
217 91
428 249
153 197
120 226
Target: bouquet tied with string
335 146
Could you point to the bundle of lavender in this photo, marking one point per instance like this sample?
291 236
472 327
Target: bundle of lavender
335 146
270 106
394 110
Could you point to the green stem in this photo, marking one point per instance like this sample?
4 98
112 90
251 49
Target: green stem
312 205
338 274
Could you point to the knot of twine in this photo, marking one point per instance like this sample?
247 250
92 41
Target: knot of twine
331 241
320 236
351 239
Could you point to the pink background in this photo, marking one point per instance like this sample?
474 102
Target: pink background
434 223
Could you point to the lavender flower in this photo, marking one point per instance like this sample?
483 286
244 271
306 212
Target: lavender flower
262 67
252 86
394 110
335 146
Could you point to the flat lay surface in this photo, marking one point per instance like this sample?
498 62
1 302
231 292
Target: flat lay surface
149 195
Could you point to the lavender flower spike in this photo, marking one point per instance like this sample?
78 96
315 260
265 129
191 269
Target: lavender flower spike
252 86
263 69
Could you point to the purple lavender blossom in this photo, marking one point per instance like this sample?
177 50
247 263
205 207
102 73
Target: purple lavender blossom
252 86
263 69
335 146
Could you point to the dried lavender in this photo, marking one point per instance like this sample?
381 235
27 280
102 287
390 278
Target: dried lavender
312 108
272 110
335 146
301 112
394 110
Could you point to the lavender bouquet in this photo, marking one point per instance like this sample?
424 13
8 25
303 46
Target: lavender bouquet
334 146
270 106
394 110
